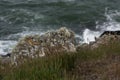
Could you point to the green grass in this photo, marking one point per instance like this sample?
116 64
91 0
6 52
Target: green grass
85 64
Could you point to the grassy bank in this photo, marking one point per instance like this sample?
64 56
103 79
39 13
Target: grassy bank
102 63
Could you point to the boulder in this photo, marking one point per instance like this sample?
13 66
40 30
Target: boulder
105 38
34 46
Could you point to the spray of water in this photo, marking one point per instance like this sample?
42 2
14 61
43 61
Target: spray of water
110 25
88 35
6 46
10 41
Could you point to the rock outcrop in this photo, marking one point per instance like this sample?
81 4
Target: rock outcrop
105 38
55 42
33 46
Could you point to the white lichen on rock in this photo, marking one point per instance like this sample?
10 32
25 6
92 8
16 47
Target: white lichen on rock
33 46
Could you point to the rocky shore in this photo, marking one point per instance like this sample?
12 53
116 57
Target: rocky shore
56 55
54 42
34 46
104 39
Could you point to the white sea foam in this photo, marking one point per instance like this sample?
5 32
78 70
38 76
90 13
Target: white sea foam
110 25
6 46
88 35
9 43
26 31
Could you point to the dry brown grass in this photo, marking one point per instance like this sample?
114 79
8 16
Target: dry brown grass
102 63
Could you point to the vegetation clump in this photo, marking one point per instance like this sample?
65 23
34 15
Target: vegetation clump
99 60
102 63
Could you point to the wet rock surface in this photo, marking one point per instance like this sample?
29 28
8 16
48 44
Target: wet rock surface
34 46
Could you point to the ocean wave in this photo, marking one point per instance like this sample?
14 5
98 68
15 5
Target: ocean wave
88 35
6 46
110 25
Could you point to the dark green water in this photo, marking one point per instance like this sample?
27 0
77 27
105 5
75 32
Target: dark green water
87 18
42 15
